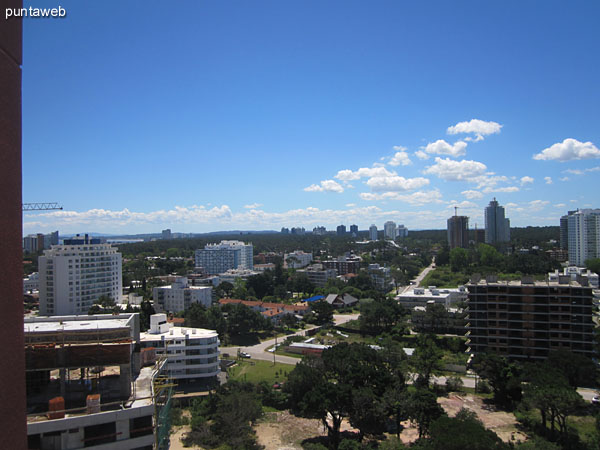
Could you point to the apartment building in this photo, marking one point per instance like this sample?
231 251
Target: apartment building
74 275
297 259
192 354
318 274
180 295
583 236
527 319
497 227
458 232
218 258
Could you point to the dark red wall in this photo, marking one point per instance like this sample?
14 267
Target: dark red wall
12 360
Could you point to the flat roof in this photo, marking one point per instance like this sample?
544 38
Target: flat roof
178 332
75 325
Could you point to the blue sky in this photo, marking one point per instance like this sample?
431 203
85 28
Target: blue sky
211 115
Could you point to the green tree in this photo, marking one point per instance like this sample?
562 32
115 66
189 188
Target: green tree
426 360
323 311
593 264
421 407
346 382
549 391
462 432
503 376
459 259
380 315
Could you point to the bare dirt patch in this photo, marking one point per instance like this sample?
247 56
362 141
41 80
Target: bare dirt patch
503 423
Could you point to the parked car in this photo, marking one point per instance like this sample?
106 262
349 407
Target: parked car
245 355
596 399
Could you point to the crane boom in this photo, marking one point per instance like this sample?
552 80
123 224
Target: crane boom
41 206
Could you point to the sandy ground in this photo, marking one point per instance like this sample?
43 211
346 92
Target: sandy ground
283 431
502 423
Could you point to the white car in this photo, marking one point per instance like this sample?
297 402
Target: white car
596 399
245 355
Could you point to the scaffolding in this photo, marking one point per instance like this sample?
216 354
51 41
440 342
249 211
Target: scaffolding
163 399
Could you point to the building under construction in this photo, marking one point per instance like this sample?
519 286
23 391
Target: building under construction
90 386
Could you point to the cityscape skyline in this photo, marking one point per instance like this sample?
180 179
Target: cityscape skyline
379 113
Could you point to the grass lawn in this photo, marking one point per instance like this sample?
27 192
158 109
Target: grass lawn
257 371
584 425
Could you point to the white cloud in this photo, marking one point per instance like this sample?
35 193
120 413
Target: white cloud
325 186
505 189
441 147
253 206
574 171
421 154
525 180
465 204
560 205
564 179
414 198
396 183
582 171
548 180
537 205
363 172
479 128
511 205
350 205
568 150
400 158
471 194
450 170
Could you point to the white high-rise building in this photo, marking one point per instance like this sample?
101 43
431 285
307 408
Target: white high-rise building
74 275
497 227
192 353
583 236
219 258
390 230
373 232
180 296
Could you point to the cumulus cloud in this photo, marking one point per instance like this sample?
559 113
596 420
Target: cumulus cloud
548 180
363 172
325 186
537 205
471 194
505 189
400 158
414 198
253 206
396 183
526 180
479 128
441 147
560 205
582 171
564 179
421 154
568 150
450 170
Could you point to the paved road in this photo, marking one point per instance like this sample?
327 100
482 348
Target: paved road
420 277
259 351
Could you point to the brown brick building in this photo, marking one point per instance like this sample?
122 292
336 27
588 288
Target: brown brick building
527 319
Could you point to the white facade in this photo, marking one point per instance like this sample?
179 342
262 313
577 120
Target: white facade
31 283
421 296
233 274
218 258
583 236
573 273
74 275
180 295
192 353
297 259
373 233
389 230
402 231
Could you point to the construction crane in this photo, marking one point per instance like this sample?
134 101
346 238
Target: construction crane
41 206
